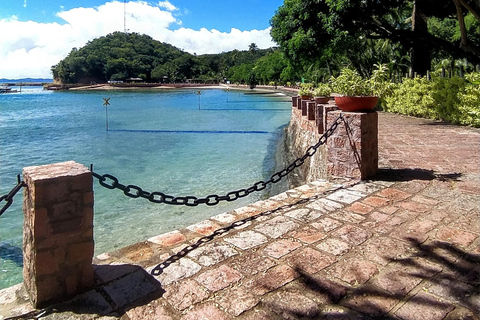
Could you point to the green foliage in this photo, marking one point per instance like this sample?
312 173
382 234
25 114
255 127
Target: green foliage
116 56
322 90
329 34
241 73
119 56
412 97
469 101
455 99
351 83
306 90
270 67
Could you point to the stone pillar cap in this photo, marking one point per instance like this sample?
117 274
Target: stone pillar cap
48 171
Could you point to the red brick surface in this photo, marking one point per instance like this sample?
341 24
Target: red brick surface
354 271
219 278
310 260
272 279
424 307
183 294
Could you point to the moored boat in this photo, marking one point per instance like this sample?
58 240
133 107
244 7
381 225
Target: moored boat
7 89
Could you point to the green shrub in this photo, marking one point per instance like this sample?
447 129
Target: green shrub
306 89
469 100
413 97
446 92
456 100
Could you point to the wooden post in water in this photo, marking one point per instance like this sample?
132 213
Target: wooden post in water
198 94
106 103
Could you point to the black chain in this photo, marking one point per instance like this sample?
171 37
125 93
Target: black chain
8 198
111 182
158 270
35 314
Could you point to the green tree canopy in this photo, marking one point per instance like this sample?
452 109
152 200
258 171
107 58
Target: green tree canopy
314 30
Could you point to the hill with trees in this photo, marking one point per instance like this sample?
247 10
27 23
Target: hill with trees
119 56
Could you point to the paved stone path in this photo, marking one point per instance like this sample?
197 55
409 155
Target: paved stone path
405 245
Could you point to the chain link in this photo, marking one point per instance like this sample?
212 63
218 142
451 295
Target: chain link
111 182
8 198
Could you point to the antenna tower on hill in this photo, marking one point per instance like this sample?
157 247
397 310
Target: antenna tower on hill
125 16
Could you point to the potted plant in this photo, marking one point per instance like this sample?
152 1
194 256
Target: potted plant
357 93
322 93
305 91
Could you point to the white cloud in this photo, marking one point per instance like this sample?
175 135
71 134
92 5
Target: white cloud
34 47
167 5
24 3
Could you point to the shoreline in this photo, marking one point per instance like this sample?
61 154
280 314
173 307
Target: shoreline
108 87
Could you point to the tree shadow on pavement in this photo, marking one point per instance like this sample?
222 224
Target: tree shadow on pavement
438 278
398 175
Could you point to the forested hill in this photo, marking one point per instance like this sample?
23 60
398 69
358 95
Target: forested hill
119 56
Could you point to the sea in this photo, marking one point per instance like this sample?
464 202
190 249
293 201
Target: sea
182 142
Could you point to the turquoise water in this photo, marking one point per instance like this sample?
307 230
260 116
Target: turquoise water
175 141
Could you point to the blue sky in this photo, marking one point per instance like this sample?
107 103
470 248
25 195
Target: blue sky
42 32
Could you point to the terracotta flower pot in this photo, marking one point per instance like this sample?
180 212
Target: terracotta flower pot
357 103
306 97
322 99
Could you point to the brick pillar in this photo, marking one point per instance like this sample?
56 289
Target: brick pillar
294 102
352 150
304 107
58 231
311 110
326 109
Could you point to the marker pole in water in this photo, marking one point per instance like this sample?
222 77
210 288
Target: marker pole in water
106 103
198 94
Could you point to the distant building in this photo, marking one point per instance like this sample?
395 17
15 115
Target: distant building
134 80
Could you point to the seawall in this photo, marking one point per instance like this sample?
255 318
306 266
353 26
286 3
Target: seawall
300 134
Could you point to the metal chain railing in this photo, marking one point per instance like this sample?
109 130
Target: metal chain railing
158 270
111 182
8 198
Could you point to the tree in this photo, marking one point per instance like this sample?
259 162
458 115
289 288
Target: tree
269 68
298 28
306 29
473 7
253 48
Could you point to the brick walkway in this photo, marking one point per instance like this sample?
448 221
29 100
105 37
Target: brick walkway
402 246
